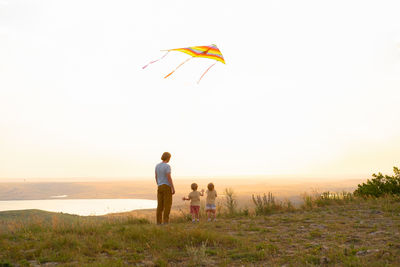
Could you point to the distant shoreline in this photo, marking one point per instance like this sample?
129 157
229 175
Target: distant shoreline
147 189
81 207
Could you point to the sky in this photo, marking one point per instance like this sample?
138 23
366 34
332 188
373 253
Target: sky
309 88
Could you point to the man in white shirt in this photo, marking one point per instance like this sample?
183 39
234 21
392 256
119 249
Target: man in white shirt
165 189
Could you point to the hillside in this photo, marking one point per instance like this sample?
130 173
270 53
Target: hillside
354 233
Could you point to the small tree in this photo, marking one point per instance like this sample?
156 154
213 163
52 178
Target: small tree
264 204
380 185
230 200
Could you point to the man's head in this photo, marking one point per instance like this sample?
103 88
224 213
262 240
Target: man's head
166 156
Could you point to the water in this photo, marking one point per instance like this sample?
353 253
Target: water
83 207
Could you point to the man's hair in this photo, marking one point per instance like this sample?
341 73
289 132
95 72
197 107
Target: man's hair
194 186
210 186
165 156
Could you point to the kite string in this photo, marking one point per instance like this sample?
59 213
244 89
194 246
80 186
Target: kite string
151 62
206 72
178 67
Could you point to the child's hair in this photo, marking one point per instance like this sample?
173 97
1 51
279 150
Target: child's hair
194 186
210 186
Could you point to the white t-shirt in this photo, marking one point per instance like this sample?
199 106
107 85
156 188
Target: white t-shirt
162 169
211 195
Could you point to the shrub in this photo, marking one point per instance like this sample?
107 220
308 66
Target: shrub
230 200
267 204
245 212
308 201
197 254
326 198
380 185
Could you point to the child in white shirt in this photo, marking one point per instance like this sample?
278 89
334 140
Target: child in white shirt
210 202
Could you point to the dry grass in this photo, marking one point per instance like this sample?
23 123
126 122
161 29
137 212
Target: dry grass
328 229
330 232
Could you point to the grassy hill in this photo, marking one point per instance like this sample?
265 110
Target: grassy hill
356 232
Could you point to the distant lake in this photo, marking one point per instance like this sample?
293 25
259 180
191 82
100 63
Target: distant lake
83 207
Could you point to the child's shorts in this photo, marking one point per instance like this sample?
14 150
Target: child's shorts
210 207
194 209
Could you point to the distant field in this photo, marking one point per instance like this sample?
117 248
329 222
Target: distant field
146 189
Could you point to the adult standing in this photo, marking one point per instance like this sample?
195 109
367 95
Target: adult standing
165 189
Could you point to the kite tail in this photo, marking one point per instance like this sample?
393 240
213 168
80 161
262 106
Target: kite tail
178 67
151 62
206 72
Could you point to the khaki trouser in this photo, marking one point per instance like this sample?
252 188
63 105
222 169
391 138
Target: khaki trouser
164 203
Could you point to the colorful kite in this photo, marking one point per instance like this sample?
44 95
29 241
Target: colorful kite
208 51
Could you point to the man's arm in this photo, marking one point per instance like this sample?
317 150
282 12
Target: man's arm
156 176
170 182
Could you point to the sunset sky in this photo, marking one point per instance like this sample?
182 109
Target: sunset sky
310 88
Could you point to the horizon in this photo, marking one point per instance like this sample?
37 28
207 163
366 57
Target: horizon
254 178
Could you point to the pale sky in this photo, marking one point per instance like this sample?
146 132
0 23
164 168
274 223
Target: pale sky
309 88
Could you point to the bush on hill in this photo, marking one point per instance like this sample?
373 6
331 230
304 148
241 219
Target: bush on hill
267 204
380 185
230 201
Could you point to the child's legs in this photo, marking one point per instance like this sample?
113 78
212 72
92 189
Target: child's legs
208 210
194 210
211 210
213 213
208 213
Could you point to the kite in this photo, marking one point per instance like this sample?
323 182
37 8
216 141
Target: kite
207 51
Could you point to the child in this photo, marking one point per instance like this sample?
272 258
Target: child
194 198
210 203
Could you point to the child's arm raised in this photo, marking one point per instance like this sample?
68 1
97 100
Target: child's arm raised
202 192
